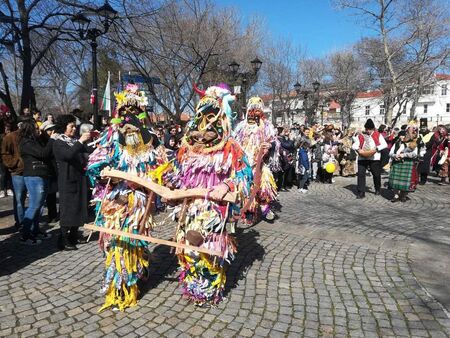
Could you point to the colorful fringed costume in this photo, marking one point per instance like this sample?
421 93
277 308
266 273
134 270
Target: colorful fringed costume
257 136
126 145
208 158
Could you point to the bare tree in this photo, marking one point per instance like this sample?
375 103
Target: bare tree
279 76
29 30
311 70
32 28
347 77
182 44
411 43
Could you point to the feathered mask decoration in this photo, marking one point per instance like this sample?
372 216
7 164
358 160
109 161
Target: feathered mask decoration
131 96
255 109
211 126
217 97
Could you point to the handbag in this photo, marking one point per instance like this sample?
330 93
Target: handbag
443 157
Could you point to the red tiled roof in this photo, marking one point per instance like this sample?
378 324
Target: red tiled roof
266 97
368 95
334 105
442 76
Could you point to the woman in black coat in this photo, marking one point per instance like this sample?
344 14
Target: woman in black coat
35 151
72 182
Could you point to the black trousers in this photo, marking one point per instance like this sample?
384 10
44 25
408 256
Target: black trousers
375 169
51 206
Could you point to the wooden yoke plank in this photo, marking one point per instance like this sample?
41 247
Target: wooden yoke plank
150 239
164 192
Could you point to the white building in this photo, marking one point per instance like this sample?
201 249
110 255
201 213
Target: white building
434 105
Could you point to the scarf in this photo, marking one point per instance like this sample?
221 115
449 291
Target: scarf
68 140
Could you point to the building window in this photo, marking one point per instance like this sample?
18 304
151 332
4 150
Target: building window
425 108
428 90
382 109
367 110
444 90
447 108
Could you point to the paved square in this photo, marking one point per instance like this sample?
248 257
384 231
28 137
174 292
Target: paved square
330 266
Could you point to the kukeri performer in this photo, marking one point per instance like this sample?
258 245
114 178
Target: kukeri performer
128 146
255 134
209 158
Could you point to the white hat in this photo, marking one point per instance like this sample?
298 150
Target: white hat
47 125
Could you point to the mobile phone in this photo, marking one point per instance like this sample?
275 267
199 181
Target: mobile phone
94 134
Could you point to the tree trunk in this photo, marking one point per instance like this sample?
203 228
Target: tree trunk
388 56
6 96
27 69
274 116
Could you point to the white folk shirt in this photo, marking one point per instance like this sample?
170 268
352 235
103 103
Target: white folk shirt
371 145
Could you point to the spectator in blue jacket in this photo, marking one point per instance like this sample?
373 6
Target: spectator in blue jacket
303 165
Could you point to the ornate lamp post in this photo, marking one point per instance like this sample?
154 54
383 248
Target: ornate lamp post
245 79
90 25
309 109
316 86
321 106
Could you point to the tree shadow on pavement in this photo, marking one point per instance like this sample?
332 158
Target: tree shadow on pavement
163 263
7 231
14 255
249 250
385 193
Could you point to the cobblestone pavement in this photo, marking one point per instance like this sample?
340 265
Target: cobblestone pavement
330 266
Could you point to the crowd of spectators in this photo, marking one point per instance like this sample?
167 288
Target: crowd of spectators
43 157
306 151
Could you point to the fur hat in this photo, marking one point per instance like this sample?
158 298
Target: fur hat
369 124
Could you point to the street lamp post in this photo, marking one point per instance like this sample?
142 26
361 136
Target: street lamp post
322 106
102 18
245 79
309 109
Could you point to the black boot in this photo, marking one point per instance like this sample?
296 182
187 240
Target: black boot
60 243
64 242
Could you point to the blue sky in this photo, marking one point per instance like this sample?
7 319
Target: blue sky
313 24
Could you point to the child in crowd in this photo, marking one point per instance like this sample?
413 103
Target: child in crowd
303 165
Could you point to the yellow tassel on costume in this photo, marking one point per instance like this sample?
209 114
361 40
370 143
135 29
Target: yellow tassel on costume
125 296
157 174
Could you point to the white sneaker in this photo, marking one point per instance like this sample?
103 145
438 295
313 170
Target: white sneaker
270 216
9 192
303 191
2 194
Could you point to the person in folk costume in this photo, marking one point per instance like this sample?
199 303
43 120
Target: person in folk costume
347 155
439 153
257 136
128 146
368 145
425 143
330 150
403 176
209 158
440 134
444 161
